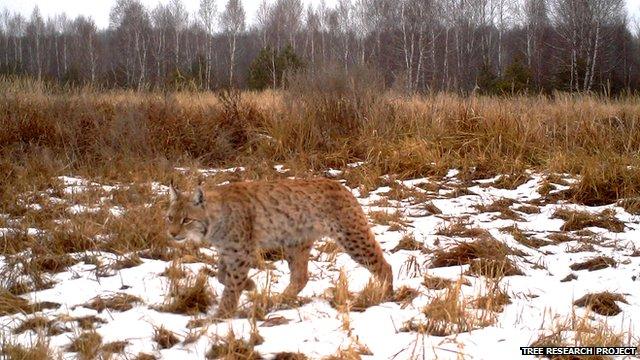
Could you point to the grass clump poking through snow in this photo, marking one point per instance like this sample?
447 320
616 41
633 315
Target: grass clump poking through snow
116 302
596 263
165 338
339 295
38 350
191 295
86 345
374 293
579 331
447 314
603 303
577 220
230 347
487 256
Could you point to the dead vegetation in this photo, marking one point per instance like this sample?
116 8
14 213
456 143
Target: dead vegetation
577 220
191 295
41 324
405 295
596 263
372 294
86 345
501 206
165 338
408 242
523 238
11 304
603 303
231 348
459 228
38 350
579 331
116 302
485 256
448 314
52 134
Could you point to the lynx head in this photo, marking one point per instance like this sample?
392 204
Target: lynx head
186 217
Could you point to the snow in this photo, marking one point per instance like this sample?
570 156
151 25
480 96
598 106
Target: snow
317 330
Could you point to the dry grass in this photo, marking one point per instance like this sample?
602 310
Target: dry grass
405 295
494 299
41 324
447 314
501 206
603 303
374 293
580 331
116 302
232 348
631 205
11 304
392 219
465 252
192 295
339 295
290 356
38 350
116 347
408 242
523 238
134 138
86 345
459 228
577 220
493 268
165 338
88 322
438 283
596 263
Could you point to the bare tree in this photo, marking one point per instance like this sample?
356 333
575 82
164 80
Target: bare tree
584 25
179 19
208 12
35 32
131 23
233 23
85 29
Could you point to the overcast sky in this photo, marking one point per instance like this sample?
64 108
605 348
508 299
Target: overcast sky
99 9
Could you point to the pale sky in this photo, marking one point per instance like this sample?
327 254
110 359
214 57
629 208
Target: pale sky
99 9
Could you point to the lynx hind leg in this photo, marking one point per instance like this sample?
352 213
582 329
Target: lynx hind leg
363 248
298 260
236 280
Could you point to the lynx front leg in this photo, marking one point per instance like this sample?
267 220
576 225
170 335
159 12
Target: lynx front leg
298 259
223 275
236 280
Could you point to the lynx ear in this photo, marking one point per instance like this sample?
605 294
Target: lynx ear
198 196
173 193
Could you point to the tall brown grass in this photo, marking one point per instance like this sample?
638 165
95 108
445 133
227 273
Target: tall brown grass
132 136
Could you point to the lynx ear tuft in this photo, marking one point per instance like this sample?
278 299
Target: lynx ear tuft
198 196
173 193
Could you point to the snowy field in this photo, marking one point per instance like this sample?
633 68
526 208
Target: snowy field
533 257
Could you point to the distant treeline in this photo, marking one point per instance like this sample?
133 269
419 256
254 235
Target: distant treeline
488 46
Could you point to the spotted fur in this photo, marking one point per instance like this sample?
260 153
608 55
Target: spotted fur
241 219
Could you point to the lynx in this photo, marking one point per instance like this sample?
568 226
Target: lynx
242 218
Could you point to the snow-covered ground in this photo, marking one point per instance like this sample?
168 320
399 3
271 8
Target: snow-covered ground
539 300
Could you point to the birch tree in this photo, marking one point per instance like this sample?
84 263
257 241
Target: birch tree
233 24
208 12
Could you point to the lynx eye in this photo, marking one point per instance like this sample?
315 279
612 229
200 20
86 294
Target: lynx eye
169 218
187 221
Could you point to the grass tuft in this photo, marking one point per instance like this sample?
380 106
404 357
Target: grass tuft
603 303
